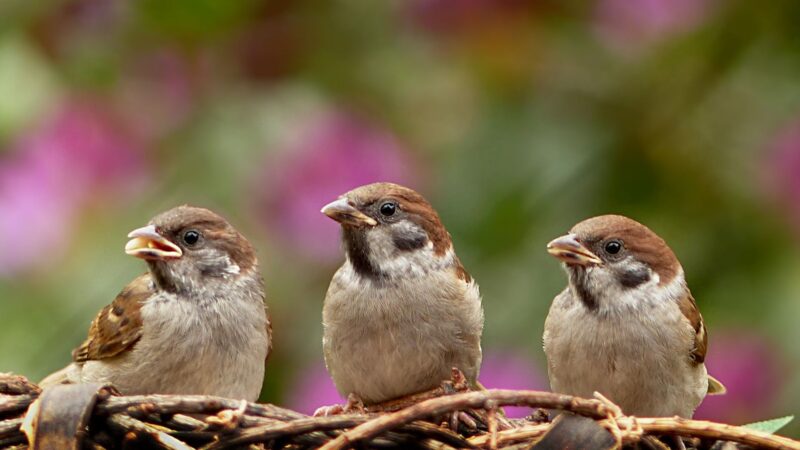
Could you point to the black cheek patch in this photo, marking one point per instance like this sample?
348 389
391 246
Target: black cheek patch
411 241
634 277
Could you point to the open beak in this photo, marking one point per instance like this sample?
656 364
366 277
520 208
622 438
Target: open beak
345 213
569 249
146 243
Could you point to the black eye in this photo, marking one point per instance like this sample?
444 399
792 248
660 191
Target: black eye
191 237
613 247
388 208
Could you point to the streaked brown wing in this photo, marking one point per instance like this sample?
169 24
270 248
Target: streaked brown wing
119 325
689 309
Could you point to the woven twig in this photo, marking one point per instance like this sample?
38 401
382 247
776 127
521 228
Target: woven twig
212 423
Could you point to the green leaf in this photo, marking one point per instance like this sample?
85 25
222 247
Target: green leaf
26 77
770 426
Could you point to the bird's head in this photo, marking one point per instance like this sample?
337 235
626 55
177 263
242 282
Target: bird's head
188 247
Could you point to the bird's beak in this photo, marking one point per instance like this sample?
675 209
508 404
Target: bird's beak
146 243
569 249
345 213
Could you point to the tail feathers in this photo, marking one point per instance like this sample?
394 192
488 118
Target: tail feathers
715 387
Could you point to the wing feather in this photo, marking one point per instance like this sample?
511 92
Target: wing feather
118 326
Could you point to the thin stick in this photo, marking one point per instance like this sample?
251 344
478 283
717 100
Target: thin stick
168 404
16 403
677 426
10 427
127 424
169 419
434 432
492 425
277 429
522 434
502 397
17 385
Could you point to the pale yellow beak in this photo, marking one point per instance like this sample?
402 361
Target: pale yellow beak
344 212
569 249
146 243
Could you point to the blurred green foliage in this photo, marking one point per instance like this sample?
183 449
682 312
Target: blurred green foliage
521 118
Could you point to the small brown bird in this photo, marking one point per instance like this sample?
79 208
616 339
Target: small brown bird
196 323
401 312
626 325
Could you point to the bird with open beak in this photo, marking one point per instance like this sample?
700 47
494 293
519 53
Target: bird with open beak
401 312
195 323
626 325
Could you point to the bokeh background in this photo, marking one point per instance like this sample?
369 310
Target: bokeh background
515 118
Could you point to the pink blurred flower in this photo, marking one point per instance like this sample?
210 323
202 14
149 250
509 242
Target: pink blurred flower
748 365
500 370
632 24
337 152
511 370
312 388
50 172
782 169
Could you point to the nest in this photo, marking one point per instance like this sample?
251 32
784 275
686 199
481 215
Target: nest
97 417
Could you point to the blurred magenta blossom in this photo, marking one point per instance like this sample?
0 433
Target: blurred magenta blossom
500 370
505 369
630 25
749 366
311 389
782 171
50 172
336 153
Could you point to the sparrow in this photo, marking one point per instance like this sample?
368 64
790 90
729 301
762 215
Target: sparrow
195 323
627 325
401 312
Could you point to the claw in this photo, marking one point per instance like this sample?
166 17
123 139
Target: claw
330 410
354 405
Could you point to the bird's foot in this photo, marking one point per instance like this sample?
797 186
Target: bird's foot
457 383
354 405
471 420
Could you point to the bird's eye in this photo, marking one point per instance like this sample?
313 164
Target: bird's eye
388 208
191 237
613 247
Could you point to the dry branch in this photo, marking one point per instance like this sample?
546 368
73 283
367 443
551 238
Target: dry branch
127 424
437 406
202 422
676 426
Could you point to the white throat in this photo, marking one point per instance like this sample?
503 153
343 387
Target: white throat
613 298
394 262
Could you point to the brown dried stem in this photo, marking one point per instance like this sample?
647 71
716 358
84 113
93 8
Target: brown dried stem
677 426
211 423
480 399
591 408
132 427
10 404
138 405
525 433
